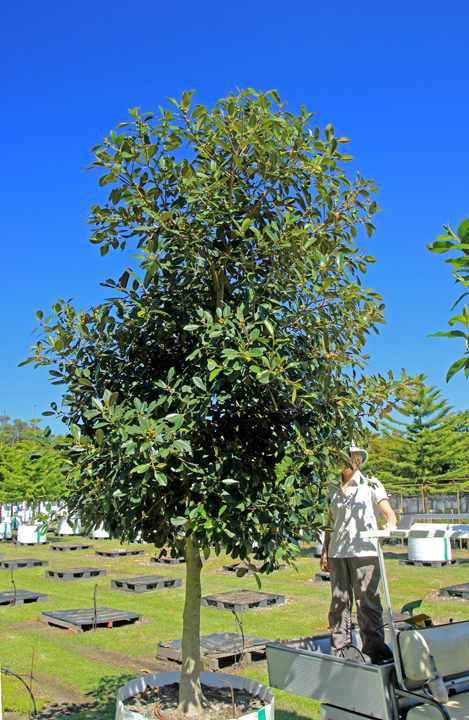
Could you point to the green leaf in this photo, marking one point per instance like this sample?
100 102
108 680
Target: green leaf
455 367
99 436
329 132
75 430
178 521
113 399
206 551
263 377
269 327
346 158
463 230
230 481
161 478
140 468
440 246
199 383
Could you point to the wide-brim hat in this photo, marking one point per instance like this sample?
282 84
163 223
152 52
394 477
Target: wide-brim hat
363 453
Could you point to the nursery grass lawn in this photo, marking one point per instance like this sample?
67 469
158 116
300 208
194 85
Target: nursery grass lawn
88 668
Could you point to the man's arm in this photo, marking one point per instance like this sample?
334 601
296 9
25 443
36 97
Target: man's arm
390 520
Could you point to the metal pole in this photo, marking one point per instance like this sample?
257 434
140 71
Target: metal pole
392 629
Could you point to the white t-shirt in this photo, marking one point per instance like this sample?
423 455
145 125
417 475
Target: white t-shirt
354 510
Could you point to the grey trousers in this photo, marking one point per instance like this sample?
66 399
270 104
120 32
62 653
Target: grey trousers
360 577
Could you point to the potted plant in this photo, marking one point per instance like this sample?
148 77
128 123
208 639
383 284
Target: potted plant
217 389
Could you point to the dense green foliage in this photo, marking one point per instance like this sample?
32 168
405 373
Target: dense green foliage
460 265
427 452
28 473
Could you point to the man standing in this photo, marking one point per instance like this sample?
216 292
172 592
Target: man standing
354 505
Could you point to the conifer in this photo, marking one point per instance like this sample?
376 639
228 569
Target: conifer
428 452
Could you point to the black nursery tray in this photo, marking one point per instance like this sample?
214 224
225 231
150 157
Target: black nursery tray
118 553
146 583
20 564
81 573
21 597
242 600
69 548
79 621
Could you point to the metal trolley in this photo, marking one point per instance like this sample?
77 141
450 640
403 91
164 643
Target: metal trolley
391 690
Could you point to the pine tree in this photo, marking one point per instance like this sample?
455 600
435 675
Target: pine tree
426 452
28 474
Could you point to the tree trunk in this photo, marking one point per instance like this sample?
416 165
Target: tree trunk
425 499
190 691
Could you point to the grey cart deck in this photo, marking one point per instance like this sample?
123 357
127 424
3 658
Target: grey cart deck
217 650
146 583
242 600
322 577
429 563
458 591
118 553
79 621
20 597
167 560
69 548
15 542
304 667
233 569
81 573
19 564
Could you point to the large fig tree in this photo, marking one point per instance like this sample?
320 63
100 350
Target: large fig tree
209 398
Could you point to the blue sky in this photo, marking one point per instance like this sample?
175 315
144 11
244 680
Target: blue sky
391 76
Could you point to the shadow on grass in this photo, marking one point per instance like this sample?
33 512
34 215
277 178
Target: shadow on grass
101 704
305 551
287 715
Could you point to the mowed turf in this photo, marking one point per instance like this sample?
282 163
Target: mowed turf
89 667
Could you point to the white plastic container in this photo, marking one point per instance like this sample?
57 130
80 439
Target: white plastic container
5 529
429 549
320 543
67 528
30 534
99 533
133 687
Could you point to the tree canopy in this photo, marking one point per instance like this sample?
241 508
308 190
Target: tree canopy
28 473
217 388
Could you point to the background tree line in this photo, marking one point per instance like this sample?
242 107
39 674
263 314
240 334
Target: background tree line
28 472
428 451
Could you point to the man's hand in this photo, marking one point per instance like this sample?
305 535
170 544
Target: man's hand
324 560
389 526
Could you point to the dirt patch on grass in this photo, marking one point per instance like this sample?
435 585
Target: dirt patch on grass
125 661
